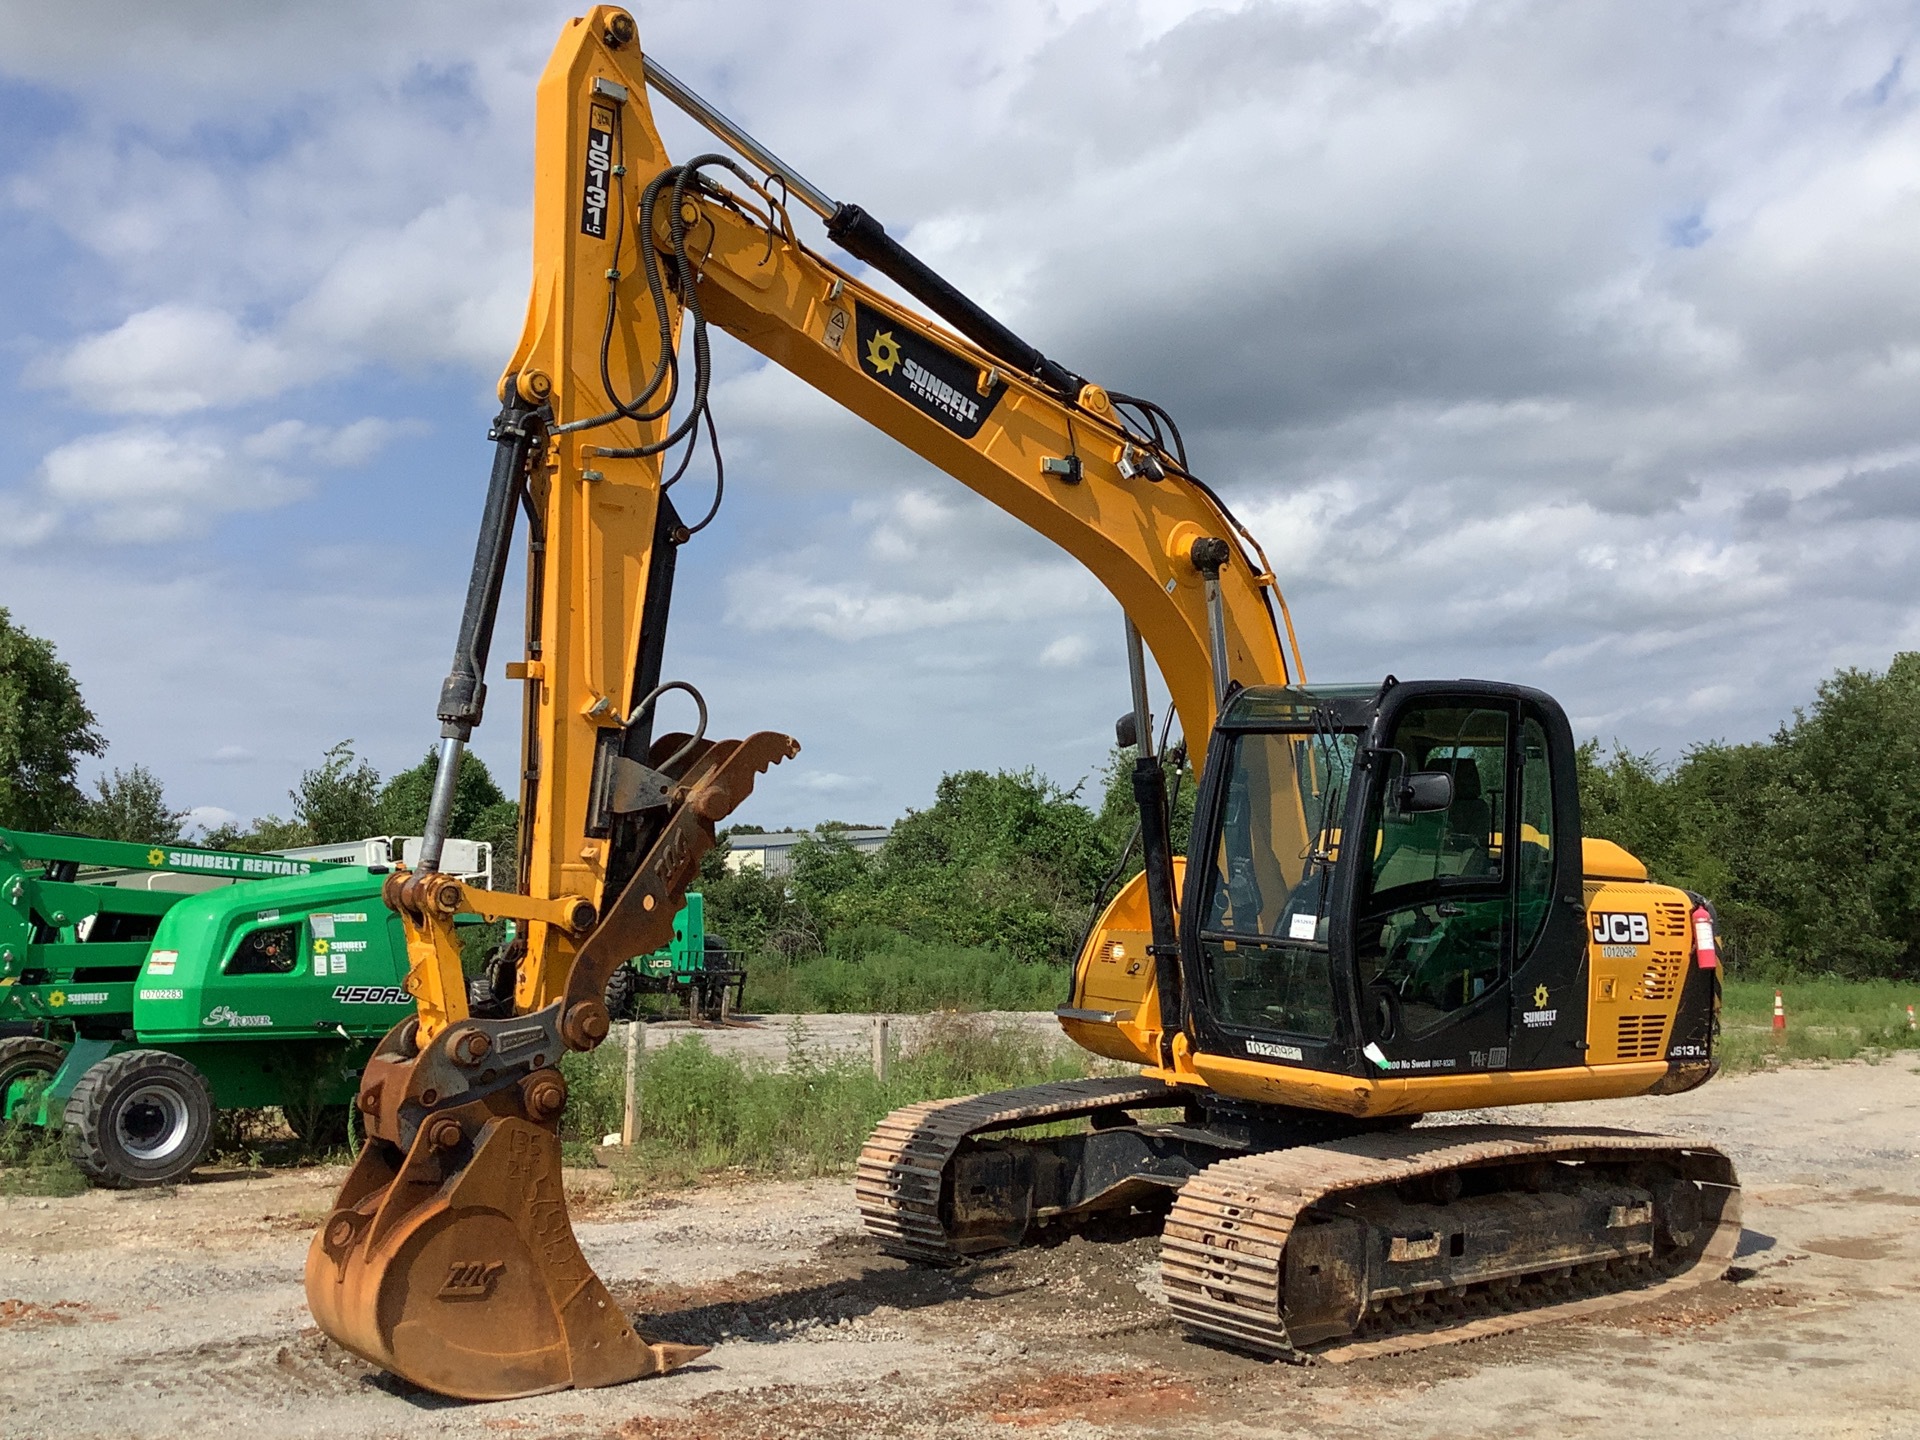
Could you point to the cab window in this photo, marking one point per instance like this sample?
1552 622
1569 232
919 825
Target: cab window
1533 851
1433 930
270 950
1263 937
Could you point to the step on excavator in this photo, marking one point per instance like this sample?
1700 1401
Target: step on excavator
1385 909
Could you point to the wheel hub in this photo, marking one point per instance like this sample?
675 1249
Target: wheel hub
153 1123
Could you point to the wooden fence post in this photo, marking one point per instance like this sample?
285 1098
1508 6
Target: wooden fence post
630 1117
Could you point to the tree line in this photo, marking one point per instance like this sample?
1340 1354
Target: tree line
1805 842
47 729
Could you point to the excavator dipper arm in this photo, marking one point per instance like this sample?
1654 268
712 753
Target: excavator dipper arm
449 1257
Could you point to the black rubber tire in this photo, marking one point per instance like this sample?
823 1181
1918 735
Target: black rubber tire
28 1058
137 1119
623 993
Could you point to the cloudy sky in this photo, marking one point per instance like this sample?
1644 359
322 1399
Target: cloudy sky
1574 344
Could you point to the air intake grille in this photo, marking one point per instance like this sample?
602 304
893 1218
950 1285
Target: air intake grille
1640 1036
1670 921
1662 977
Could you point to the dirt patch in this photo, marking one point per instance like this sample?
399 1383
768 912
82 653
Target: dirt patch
1876 1196
1710 1305
794 1412
1128 1397
20 1314
816 1334
1852 1247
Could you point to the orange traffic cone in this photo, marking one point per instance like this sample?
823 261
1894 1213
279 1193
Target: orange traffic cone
1779 1014
1910 1024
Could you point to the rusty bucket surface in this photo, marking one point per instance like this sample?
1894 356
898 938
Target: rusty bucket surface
457 1268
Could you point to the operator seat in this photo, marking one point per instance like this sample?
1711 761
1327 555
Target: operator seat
1469 818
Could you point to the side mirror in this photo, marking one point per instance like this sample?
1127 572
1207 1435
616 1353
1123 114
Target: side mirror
1425 791
1126 731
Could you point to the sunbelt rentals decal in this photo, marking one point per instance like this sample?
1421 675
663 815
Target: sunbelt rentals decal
226 864
927 376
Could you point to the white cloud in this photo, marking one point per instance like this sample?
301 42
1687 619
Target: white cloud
1066 653
829 782
146 485
448 286
349 445
173 358
203 819
26 521
776 599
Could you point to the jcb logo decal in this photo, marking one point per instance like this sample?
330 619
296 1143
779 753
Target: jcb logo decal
471 1279
1615 928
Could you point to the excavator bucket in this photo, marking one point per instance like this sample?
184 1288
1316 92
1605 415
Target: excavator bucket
462 1273
449 1258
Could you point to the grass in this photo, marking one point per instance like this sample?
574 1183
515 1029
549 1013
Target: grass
702 1113
1827 1019
34 1162
895 974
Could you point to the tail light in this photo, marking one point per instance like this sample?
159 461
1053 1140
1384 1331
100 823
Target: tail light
1703 945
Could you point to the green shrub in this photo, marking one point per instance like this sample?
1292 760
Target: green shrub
34 1162
873 969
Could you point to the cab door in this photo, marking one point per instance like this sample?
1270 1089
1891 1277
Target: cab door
1434 918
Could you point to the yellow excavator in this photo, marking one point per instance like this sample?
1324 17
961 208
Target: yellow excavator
1385 908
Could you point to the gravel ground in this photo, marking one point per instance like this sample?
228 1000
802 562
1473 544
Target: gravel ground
180 1313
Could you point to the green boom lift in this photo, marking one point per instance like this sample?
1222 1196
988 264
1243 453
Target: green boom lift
151 986
150 1009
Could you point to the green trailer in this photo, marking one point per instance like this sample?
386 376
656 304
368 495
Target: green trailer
150 1010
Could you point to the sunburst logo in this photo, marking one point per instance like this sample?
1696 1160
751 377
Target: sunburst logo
883 352
1539 997
156 857
57 999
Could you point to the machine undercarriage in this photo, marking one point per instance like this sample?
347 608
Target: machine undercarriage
1284 1230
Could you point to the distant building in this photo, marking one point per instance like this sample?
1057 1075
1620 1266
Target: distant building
773 850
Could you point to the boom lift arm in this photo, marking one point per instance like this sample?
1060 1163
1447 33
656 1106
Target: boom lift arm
448 1257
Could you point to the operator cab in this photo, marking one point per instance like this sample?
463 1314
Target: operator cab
1373 877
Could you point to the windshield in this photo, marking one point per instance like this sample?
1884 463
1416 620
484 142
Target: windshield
1263 941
